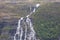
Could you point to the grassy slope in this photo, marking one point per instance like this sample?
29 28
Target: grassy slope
46 20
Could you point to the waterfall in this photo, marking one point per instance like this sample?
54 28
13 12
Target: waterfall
25 30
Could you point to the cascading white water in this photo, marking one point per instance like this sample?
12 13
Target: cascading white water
25 29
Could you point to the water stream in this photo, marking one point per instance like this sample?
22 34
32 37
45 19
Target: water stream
25 30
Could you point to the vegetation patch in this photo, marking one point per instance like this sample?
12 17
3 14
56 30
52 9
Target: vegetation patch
46 21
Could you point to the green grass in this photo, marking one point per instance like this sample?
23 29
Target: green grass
46 21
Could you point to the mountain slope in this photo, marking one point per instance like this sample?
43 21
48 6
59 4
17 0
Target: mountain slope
46 21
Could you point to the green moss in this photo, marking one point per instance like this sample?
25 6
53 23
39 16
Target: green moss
4 37
46 20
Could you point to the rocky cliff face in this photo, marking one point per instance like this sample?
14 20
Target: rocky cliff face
9 15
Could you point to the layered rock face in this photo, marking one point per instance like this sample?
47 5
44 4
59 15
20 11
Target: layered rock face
10 13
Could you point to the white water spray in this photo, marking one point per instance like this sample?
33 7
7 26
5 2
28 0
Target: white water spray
25 29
